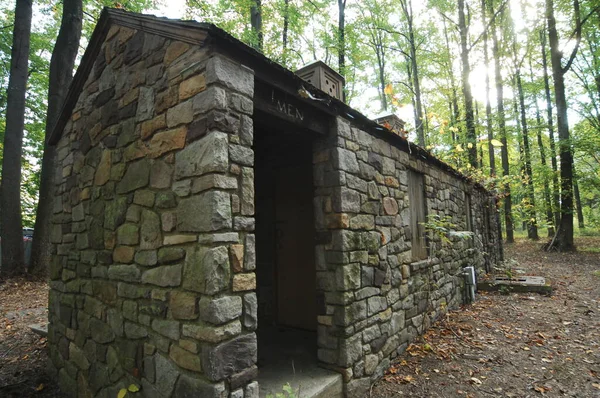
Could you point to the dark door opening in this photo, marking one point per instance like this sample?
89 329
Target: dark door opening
285 230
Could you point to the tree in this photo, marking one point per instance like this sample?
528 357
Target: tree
488 105
257 24
466 86
11 225
342 37
550 121
407 10
61 74
501 116
563 239
530 210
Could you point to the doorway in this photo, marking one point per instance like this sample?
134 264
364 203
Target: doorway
286 271
285 230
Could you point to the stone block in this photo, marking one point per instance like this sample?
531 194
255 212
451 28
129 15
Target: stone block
166 375
207 155
188 387
376 304
215 214
192 86
183 305
250 311
232 75
237 257
241 155
213 98
147 258
136 176
175 50
149 127
220 310
230 357
185 359
150 232
244 282
166 141
212 334
164 276
181 113
124 272
123 254
207 270
166 328
128 234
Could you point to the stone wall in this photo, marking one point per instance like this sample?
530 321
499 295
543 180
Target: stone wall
152 279
376 299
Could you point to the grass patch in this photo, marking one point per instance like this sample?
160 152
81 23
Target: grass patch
590 249
596 273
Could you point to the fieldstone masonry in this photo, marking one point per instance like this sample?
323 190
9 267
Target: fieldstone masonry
377 299
152 280
152 277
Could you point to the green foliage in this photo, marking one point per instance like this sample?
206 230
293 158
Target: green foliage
445 228
288 392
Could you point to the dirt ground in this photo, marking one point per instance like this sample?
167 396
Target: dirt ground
515 345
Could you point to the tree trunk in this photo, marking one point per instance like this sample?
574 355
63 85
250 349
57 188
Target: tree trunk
286 25
466 86
408 13
530 210
563 240
542 149
455 110
256 23
342 37
488 105
10 195
555 185
580 220
61 74
508 220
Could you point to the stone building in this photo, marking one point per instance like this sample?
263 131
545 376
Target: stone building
217 217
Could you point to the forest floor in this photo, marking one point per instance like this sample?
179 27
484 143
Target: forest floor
514 345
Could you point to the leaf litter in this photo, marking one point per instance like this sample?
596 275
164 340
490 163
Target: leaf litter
515 345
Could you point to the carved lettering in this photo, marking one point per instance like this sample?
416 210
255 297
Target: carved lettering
286 108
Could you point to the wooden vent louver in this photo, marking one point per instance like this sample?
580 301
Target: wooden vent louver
324 78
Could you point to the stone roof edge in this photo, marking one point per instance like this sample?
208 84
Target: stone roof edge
195 33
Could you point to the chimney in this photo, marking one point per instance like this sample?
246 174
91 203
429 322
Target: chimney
320 75
392 123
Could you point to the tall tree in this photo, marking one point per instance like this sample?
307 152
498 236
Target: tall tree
542 149
488 105
407 10
257 24
466 86
342 37
501 115
11 225
530 210
563 239
61 74
550 123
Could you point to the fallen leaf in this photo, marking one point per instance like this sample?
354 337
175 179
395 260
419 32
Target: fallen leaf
475 380
122 393
133 388
40 387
